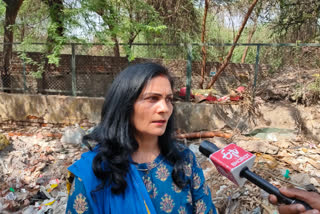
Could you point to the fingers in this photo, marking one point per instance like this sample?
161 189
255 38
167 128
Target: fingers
295 193
311 212
312 198
291 209
273 199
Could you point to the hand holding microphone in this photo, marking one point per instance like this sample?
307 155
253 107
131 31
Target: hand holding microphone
235 163
312 198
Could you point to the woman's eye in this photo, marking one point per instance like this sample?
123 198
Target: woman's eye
153 98
169 99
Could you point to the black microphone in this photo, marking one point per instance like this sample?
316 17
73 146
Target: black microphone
235 163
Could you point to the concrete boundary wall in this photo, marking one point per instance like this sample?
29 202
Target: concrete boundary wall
53 110
48 110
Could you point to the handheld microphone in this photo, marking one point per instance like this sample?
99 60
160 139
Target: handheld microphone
234 163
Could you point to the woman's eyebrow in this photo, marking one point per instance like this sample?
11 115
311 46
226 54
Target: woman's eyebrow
156 94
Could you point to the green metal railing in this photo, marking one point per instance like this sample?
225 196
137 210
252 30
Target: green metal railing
189 50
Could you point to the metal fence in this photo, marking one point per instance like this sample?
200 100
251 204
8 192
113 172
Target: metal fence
88 70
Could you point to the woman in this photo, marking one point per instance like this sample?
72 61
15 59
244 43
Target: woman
137 167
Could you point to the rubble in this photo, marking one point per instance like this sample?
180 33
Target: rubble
34 170
292 155
4 142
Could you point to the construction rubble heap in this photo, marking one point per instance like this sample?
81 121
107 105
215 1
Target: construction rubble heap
34 162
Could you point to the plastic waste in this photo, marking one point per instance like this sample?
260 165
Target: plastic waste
61 203
22 194
48 202
271 137
44 191
183 92
286 174
38 197
73 135
29 210
52 184
10 196
272 134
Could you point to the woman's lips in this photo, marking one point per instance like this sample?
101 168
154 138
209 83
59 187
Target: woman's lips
159 122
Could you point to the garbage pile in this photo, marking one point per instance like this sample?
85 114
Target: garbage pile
33 168
212 96
34 161
285 162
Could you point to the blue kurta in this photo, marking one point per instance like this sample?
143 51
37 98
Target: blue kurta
166 197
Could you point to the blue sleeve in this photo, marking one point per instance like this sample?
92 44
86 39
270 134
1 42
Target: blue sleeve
201 195
77 199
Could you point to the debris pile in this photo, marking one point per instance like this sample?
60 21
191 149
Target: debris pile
284 163
212 96
33 170
34 161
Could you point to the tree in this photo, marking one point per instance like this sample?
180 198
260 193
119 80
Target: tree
12 8
180 17
110 14
255 17
123 21
55 36
298 20
252 31
203 49
226 61
32 22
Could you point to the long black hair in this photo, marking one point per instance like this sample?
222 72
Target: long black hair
114 133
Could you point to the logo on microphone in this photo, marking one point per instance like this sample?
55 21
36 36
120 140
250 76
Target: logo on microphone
230 153
230 160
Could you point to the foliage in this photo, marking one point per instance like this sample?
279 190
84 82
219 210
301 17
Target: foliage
122 21
181 17
315 85
112 22
296 19
32 21
2 14
22 53
56 46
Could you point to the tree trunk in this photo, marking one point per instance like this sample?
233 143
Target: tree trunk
12 8
23 30
207 134
203 49
116 48
56 15
109 20
226 61
249 40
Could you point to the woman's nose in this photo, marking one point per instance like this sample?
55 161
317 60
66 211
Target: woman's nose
163 106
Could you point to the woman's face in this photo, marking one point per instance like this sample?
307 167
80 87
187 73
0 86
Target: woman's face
153 108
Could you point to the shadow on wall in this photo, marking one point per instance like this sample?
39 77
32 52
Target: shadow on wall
192 117
300 123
